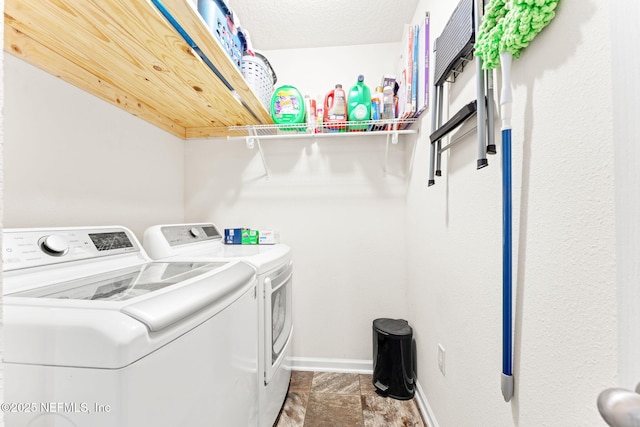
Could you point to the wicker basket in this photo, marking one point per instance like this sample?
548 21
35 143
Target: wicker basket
260 77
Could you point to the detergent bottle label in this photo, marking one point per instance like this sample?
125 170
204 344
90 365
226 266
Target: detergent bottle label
285 105
359 105
335 109
360 112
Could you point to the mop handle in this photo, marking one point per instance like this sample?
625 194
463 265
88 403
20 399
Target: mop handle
507 327
506 97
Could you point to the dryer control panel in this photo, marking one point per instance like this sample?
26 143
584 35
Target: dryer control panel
183 234
23 248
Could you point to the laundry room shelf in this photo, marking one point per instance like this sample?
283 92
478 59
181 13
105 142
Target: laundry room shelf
133 54
253 134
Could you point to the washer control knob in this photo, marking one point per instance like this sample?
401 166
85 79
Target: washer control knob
194 232
55 245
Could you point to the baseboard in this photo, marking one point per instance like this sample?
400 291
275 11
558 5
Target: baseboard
355 366
360 367
425 408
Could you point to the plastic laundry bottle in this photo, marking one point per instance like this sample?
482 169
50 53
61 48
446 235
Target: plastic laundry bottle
335 110
287 106
310 107
319 115
359 105
377 103
388 105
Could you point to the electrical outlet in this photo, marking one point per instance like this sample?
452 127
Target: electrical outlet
441 358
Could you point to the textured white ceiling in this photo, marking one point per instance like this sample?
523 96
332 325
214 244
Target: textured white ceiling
289 24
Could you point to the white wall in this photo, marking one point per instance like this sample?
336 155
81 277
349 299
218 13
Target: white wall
316 71
72 159
1 209
626 96
367 246
564 240
330 201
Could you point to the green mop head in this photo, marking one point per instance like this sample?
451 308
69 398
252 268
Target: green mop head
490 34
509 26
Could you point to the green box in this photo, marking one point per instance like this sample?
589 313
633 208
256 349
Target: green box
250 237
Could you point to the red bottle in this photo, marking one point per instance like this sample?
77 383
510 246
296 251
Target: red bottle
335 110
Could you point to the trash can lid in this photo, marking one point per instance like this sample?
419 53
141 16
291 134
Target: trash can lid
397 327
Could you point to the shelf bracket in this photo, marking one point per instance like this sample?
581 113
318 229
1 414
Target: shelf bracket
392 137
253 141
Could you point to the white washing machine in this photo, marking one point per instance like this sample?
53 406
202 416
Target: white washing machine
96 334
203 243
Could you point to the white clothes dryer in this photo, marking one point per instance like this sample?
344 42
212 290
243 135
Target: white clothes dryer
96 334
202 242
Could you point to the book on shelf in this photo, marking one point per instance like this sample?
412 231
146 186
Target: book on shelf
423 67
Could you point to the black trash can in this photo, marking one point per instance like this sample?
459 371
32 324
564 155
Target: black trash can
393 359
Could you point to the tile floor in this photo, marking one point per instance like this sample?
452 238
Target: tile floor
328 399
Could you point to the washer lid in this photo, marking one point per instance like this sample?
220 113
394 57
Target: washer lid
119 326
168 291
263 257
123 284
169 308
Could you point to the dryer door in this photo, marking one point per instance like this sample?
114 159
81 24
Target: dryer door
278 318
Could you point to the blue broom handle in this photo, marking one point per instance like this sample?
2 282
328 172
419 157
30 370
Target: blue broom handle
507 329
507 344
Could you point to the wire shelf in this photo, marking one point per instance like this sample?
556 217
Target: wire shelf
304 130
253 134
